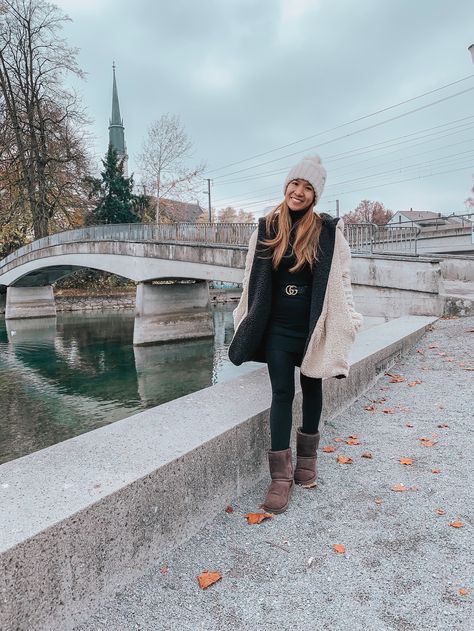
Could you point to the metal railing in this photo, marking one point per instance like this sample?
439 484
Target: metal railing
362 237
202 233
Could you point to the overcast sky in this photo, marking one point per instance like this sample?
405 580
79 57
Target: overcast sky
250 76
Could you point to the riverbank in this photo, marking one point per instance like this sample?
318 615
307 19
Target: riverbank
80 300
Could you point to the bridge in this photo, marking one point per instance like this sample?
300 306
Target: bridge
173 264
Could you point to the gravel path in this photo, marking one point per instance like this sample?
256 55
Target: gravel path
404 564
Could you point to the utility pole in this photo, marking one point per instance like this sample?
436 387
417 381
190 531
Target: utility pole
208 193
337 208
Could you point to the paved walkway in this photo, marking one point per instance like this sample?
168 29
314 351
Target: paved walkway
405 567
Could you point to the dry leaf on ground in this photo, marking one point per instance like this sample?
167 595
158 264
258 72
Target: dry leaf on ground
164 570
329 449
257 518
416 382
389 411
339 548
377 500
344 459
207 578
229 509
395 378
408 424
339 440
399 488
462 591
367 454
457 524
440 511
421 351
370 408
435 470
406 461
443 425
352 441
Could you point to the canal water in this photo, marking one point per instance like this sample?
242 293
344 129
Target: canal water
62 377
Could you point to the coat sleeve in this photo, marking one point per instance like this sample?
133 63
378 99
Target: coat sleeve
241 309
345 262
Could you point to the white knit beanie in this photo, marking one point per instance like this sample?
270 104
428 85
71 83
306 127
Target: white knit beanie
311 170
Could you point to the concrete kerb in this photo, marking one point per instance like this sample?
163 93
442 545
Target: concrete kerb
85 516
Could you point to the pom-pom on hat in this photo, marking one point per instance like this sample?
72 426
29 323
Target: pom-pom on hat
311 170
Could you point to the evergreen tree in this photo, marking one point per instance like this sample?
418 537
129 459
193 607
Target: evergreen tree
116 202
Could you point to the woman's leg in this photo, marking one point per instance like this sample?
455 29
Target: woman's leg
312 403
281 368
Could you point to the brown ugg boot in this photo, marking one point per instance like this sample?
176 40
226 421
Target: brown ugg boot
281 487
306 470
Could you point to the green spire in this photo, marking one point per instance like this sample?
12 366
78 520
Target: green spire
116 128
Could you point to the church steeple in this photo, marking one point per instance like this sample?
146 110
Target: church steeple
116 128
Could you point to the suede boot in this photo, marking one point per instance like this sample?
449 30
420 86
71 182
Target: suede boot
281 487
306 470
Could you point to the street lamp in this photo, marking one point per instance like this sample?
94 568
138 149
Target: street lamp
471 50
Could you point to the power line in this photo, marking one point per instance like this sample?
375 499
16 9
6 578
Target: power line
356 120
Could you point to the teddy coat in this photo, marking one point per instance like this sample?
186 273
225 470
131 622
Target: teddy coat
333 320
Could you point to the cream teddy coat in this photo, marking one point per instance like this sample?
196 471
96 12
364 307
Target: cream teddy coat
333 319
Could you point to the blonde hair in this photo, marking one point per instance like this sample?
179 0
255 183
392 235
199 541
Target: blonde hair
305 246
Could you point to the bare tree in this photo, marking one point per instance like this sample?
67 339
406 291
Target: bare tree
41 123
369 212
231 215
164 159
469 202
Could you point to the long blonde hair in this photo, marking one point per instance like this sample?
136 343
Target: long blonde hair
305 246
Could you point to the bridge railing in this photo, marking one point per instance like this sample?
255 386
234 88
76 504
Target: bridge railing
362 237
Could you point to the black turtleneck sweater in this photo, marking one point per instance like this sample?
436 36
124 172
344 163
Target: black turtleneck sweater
289 321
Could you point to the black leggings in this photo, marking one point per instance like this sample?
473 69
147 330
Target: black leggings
281 367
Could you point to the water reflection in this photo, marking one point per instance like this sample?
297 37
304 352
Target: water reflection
60 377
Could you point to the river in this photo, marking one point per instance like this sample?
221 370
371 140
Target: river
65 376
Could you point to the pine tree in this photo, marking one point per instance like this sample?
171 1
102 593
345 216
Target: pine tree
116 202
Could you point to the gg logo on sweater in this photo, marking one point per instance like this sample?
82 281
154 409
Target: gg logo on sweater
291 290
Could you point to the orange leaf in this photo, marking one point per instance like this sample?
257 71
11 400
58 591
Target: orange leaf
406 461
257 518
462 591
427 443
397 379
367 454
399 487
457 524
229 509
339 548
339 440
389 411
329 449
414 383
344 460
421 351
352 441
207 578
369 408
354 436
435 470
440 511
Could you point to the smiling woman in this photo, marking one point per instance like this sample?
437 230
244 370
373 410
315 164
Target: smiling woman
296 310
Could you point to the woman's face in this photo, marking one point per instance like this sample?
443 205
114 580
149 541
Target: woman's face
299 194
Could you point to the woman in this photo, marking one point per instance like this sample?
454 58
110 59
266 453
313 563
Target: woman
296 309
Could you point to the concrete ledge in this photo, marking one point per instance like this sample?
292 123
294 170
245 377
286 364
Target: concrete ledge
83 517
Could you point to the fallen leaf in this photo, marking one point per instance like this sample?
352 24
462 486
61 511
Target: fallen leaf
339 548
207 578
329 449
339 440
406 461
354 436
389 411
413 488
457 524
344 460
229 509
164 570
449 359
468 368
421 351
470 331
443 425
257 518
367 454
435 470
408 424
399 488
433 346
462 591
440 406
442 354
369 408
311 485
416 382
440 511
428 443
377 500
396 379
352 441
